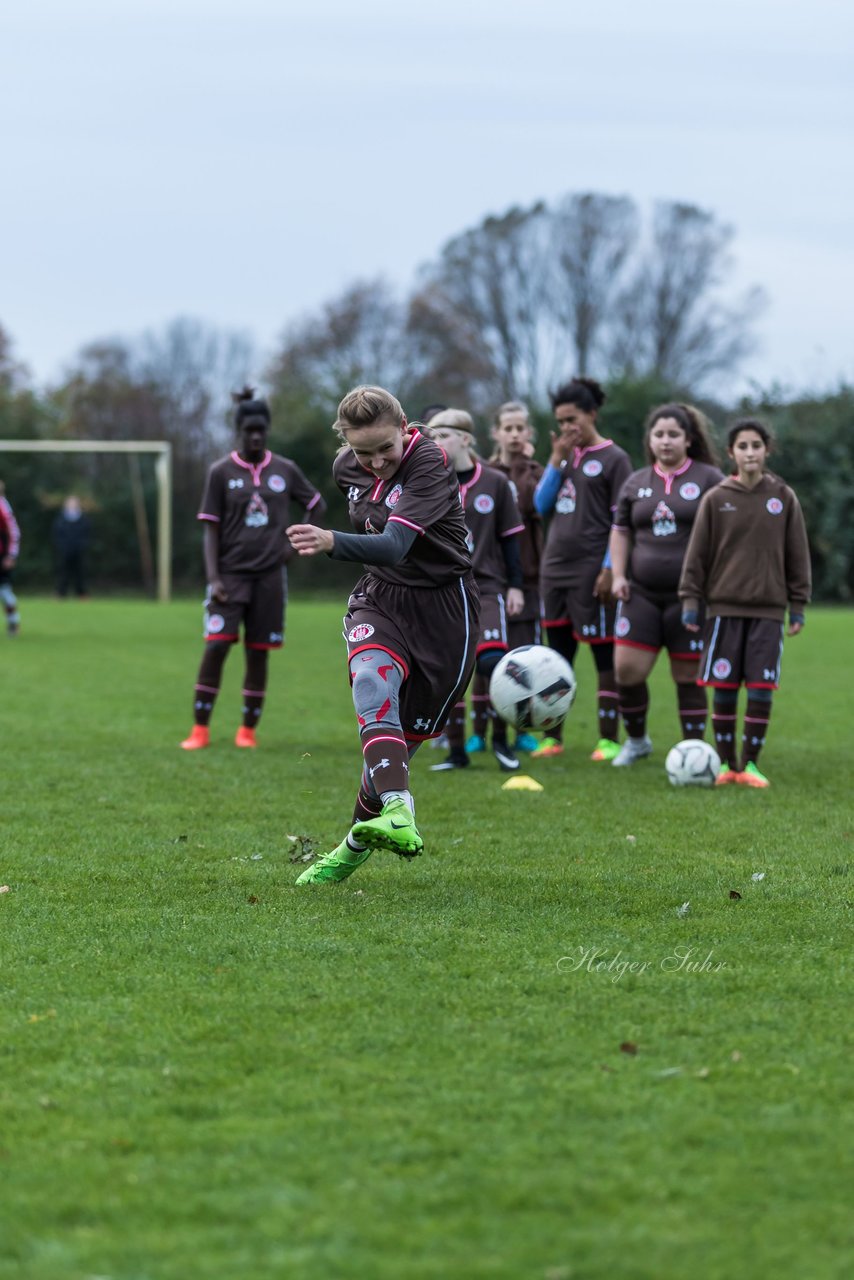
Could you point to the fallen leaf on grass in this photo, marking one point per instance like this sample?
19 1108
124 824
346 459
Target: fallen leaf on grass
40 1017
632 839
303 848
683 910
252 899
702 1074
733 893
628 1046
735 1056
758 875
4 888
668 1071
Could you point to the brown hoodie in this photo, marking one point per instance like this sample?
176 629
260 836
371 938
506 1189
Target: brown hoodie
748 555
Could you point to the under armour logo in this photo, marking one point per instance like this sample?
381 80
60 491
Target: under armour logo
383 764
769 675
235 484
353 493
421 726
644 493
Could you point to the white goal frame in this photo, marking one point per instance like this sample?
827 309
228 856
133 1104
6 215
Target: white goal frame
162 450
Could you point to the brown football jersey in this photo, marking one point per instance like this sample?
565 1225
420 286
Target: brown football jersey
581 519
491 514
252 504
657 510
424 495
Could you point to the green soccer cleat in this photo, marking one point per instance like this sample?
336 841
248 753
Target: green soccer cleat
605 749
337 865
548 747
751 777
394 830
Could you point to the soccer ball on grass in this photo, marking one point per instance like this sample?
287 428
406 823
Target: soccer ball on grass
532 687
692 763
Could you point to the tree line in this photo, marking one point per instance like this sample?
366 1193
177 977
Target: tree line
507 309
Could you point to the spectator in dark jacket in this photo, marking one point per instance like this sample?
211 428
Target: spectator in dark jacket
71 530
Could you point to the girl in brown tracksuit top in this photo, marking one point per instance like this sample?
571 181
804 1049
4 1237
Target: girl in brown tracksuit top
748 558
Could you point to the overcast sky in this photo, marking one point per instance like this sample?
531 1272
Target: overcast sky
242 162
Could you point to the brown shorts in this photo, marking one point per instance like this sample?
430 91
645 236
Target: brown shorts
644 622
492 633
592 622
742 651
431 632
524 630
257 602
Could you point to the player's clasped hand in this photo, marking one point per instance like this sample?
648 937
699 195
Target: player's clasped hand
602 587
308 540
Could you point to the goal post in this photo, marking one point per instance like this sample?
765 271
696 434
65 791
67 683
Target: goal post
162 450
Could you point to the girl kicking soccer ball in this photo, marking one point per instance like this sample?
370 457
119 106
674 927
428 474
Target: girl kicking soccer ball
747 558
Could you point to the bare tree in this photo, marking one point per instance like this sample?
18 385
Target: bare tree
357 337
195 366
592 238
674 321
491 281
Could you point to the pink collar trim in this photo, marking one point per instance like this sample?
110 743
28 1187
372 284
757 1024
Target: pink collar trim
256 470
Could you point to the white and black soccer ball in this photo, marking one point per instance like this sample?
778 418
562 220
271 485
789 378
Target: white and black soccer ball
532 687
692 763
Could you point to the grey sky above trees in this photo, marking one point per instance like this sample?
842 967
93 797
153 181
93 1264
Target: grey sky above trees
243 164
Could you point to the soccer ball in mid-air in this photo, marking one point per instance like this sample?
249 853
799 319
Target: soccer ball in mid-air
692 763
532 687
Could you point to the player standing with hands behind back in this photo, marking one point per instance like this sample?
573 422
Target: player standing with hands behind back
579 488
494 524
747 558
246 508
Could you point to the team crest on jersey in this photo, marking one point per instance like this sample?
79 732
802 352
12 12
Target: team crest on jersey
277 483
663 521
623 626
721 669
483 504
393 498
566 499
689 491
774 506
362 632
215 623
257 515
592 467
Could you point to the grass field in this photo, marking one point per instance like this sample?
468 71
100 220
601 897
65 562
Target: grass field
427 1071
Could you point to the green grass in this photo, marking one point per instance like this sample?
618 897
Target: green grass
209 1073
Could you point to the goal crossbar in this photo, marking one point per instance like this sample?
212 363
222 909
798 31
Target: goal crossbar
162 450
